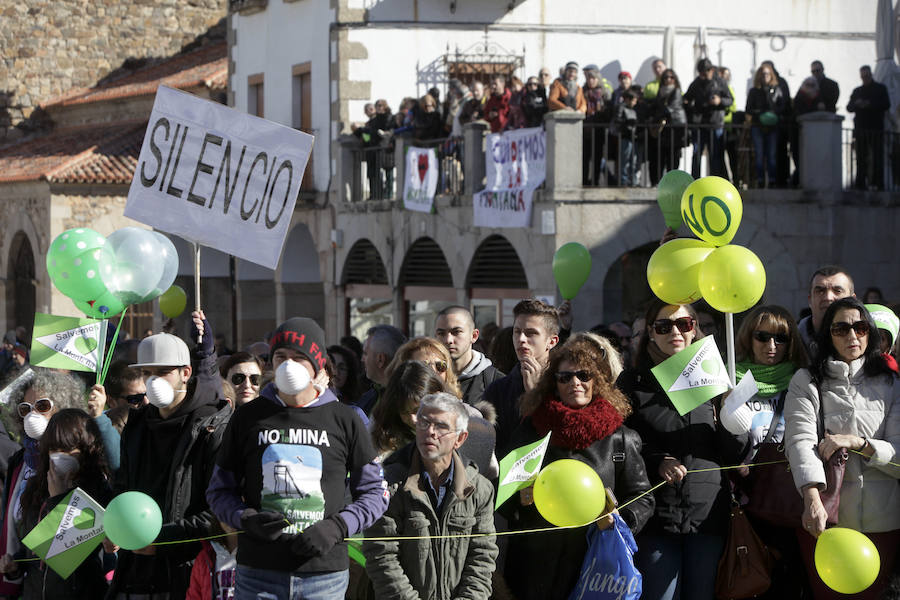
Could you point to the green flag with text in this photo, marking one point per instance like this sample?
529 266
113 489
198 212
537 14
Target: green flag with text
519 468
68 343
693 376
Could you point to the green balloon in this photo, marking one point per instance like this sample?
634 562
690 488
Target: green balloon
668 194
78 277
571 268
847 560
72 243
732 279
768 119
173 301
132 520
104 306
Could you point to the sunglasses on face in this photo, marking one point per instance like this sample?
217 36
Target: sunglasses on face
765 336
664 326
841 328
42 405
566 376
438 365
135 399
239 378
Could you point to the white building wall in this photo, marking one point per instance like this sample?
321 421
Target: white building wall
271 42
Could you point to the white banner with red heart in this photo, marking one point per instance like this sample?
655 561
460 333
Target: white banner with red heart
421 179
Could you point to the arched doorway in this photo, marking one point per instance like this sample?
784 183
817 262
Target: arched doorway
369 298
21 294
301 282
626 293
496 281
427 286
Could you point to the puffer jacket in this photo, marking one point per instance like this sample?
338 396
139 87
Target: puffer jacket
433 569
855 404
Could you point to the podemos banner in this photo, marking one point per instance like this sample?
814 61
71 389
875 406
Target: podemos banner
421 179
515 164
217 176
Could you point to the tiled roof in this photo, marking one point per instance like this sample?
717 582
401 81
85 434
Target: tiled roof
104 153
207 66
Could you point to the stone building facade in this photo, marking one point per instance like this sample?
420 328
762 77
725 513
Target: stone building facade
48 47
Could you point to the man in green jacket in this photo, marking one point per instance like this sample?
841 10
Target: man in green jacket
434 494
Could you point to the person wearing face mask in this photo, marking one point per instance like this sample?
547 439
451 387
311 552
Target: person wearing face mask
282 473
71 455
848 398
683 541
167 451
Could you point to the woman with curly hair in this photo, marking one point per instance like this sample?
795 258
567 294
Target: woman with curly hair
575 399
71 455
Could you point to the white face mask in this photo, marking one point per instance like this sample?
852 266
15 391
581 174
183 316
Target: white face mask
34 424
291 378
160 392
64 464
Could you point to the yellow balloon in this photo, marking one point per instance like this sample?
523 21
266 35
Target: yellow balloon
847 561
732 279
569 492
674 269
712 208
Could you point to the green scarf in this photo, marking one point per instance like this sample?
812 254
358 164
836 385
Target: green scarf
770 379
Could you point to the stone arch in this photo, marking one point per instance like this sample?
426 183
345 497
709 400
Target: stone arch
496 264
300 277
425 265
426 283
21 289
364 265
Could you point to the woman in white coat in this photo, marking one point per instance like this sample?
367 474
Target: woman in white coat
860 399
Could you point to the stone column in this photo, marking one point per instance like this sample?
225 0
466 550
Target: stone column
820 151
473 156
348 169
564 139
400 145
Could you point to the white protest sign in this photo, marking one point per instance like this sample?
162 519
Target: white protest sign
217 176
515 164
743 391
421 179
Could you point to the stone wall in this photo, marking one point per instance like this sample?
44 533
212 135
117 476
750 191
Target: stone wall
48 47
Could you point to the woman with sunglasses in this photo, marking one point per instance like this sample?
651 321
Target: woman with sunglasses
769 347
850 384
575 399
431 352
679 549
71 455
244 372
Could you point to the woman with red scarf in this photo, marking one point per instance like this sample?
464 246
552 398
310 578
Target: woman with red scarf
577 400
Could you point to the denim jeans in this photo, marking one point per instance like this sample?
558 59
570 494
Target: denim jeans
678 566
712 140
263 584
765 147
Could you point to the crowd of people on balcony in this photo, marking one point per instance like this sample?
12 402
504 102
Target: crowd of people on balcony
629 126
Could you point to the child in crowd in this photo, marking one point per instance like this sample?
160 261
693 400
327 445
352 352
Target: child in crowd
625 126
212 577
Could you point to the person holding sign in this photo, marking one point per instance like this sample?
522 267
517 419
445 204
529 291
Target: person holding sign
71 455
680 547
168 447
575 399
847 398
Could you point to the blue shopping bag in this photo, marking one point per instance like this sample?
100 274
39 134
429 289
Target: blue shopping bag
608 571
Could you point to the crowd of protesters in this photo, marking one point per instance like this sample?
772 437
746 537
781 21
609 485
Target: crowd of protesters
629 126
264 461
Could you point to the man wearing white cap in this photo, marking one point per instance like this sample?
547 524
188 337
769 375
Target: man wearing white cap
168 449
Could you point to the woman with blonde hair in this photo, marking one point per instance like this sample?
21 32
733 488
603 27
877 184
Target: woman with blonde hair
431 352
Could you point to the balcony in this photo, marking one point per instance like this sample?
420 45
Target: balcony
590 161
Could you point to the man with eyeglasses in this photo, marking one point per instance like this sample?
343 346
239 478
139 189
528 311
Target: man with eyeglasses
167 452
828 283
434 492
455 329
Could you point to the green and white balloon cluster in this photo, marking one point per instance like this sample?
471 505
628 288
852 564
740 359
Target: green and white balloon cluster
729 277
104 275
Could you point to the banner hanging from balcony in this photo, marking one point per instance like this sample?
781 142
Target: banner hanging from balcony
515 164
218 176
421 179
